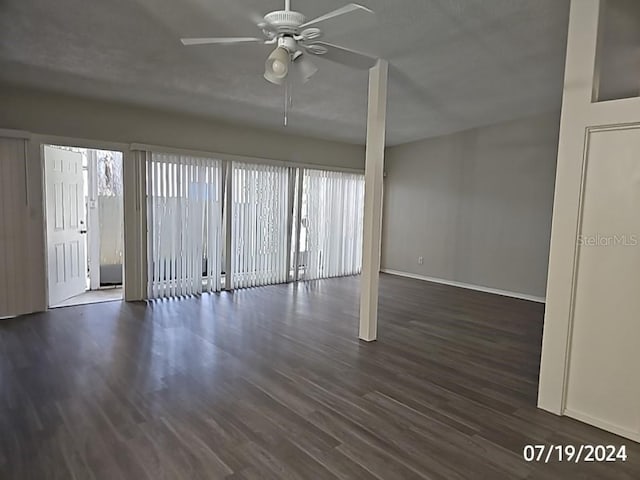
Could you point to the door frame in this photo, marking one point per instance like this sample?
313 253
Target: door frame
40 141
581 114
93 224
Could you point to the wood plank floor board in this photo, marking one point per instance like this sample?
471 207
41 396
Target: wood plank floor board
272 383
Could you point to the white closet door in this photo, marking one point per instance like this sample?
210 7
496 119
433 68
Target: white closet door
604 383
260 209
184 219
332 224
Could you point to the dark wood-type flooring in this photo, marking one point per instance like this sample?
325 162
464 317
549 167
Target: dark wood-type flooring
272 383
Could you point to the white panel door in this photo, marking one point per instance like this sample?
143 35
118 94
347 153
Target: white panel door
604 383
66 257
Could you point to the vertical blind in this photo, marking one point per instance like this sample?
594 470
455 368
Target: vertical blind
186 231
332 224
184 218
260 212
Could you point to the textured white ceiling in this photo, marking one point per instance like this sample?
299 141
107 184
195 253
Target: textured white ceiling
455 64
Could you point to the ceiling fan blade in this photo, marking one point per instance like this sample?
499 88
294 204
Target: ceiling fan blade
220 41
352 7
342 55
305 68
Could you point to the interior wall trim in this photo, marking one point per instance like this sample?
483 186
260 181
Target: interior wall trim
469 286
228 157
7 133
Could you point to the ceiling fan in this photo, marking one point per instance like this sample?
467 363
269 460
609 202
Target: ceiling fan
296 38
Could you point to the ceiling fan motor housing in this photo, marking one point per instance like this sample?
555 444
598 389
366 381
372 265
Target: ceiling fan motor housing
288 43
285 21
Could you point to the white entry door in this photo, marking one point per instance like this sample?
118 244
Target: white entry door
66 227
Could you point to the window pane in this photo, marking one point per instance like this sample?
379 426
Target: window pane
618 61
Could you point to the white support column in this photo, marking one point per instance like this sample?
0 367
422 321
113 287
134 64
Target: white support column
374 172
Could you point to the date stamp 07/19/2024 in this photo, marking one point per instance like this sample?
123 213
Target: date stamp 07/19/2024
574 453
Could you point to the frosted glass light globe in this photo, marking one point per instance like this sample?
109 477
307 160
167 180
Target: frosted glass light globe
278 67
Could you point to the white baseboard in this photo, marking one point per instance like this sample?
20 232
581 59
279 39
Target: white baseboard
495 291
603 425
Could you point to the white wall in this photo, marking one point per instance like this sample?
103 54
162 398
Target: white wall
114 126
476 205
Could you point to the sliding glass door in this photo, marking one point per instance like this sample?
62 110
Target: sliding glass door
261 224
260 212
184 218
331 226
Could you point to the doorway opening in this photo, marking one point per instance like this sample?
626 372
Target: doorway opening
84 225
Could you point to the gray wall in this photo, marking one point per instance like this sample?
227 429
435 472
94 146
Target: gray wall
62 115
476 205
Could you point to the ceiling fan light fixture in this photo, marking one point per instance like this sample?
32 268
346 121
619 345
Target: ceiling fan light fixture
277 66
306 68
296 37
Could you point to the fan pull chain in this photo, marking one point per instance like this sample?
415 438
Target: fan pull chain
288 99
